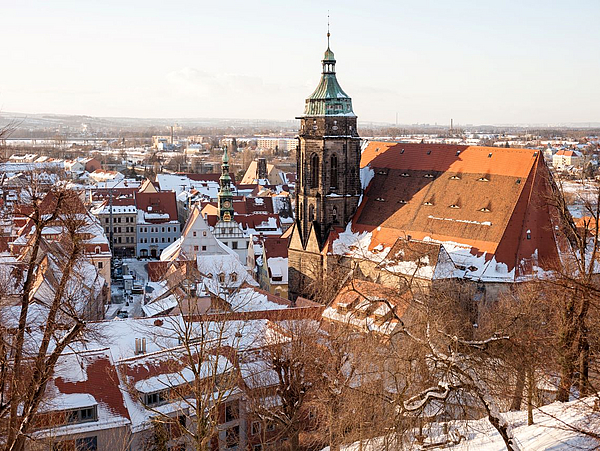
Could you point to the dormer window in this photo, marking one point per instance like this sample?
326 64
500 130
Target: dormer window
233 277
82 415
221 277
155 399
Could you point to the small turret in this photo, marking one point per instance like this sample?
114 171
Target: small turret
225 198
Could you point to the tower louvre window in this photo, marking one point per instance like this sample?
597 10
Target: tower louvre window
333 179
314 170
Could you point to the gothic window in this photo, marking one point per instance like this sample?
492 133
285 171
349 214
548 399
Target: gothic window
333 182
314 170
311 213
334 214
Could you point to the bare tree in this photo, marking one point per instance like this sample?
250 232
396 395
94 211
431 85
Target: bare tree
28 358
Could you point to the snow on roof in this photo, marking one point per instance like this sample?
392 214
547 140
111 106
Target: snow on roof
116 209
278 267
250 300
210 367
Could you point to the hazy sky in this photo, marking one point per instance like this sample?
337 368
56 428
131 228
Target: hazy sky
479 61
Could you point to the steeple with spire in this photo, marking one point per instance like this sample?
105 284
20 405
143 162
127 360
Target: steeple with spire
329 98
225 198
328 157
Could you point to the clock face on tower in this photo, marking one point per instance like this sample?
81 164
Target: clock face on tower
227 204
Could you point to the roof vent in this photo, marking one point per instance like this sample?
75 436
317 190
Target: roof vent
402 151
380 199
402 201
428 176
429 152
455 177
405 174
485 209
483 179
454 206
518 181
490 155
457 153
428 203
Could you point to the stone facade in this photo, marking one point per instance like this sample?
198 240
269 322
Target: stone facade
328 186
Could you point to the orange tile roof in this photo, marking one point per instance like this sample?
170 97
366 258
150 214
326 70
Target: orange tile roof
458 194
449 158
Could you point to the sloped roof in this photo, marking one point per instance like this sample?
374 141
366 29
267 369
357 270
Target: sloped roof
481 198
160 202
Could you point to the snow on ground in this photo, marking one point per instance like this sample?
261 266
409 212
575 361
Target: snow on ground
553 430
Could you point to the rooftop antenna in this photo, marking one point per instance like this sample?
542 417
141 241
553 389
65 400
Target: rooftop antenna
328 34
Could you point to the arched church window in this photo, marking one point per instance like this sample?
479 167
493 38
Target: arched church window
314 170
311 213
334 172
334 214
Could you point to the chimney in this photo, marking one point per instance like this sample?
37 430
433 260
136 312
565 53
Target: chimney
262 168
140 346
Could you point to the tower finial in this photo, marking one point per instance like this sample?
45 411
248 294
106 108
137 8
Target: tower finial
328 34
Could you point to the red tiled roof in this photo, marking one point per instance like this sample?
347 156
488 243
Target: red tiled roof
101 382
275 247
161 202
482 197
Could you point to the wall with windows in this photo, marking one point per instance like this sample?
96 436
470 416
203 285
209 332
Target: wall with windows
153 238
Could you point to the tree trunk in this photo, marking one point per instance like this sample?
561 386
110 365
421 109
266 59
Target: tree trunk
334 444
530 386
568 350
584 359
295 441
519 387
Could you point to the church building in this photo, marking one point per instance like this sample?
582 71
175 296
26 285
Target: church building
424 211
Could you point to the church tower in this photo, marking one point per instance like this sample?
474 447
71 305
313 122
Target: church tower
225 197
328 185
328 159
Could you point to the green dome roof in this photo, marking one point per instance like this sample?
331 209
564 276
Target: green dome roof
329 99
